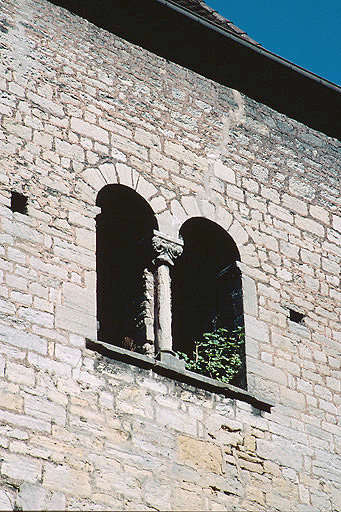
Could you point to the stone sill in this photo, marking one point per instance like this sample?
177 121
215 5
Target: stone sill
181 375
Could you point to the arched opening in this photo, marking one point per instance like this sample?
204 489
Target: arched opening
123 311
206 287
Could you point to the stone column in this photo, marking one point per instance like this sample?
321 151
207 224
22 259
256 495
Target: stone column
166 250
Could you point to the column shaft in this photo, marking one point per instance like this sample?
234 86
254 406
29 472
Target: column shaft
163 305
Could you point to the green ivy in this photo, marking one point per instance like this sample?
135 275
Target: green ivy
218 355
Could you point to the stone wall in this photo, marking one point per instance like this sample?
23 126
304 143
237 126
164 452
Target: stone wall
81 108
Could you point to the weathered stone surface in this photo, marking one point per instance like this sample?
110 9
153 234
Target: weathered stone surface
66 480
5 501
79 431
204 454
21 468
35 497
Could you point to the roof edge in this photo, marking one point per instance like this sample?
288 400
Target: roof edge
253 46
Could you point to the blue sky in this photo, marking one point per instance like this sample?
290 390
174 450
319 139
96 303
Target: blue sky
306 32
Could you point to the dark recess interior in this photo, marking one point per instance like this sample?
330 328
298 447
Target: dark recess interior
184 41
121 258
295 316
18 202
206 284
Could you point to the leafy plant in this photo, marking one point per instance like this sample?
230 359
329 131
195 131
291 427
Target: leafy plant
218 355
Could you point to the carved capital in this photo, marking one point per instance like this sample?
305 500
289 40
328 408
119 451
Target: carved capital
165 249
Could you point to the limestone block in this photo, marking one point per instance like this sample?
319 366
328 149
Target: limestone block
66 480
76 321
36 317
46 104
20 230
21 468
135 401
20 374
187 500
319 213
117 482
68 354
73 253
301 188
89 130
260 172
42 139
158 204
309 225
44 409
73 151
234 192
267 371
147 139
48 268
335 237
223 217
178 152
256 329
86 238
281 213
84 220
178 212
158 493
238 233
190 204
250 302
23 340
294 204
264 240
78 298
49 365
337 223
124 173
159 159
6 308
207 208
145 189
281 451
21 298
94 178
167 224
293 398
35 497
204 454
128 146
223 172
10 401
5 501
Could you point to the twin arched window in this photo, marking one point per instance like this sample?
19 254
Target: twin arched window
205 280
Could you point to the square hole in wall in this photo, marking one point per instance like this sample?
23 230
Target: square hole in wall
18 203
295 316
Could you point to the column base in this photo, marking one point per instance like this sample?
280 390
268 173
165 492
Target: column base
168 357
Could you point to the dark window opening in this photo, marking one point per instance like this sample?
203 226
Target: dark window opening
18 203
295 316
206 287
122 260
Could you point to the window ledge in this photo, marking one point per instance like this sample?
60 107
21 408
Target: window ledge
181 375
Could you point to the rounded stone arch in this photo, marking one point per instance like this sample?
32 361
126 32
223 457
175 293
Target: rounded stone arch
206 285
92 179
123 225
194 206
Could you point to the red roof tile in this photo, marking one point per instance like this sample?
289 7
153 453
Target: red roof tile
200 8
